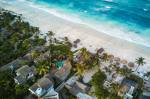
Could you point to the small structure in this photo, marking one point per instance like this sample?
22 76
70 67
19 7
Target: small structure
77 88
117 59
24 73
100 51
64 71
14 64
76 41
44 89
59 64
118 79
83 96
128 95
128 88
40 48
111 58
72 80
42 57
124 61
107 84
131 64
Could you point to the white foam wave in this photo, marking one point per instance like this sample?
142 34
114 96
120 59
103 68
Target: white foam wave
108 7
108 0
107 28
145 9
72 18
120 32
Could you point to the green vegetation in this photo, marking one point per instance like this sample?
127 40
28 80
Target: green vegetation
124 71
86 61
136 79
140 61
43 68
105 57
99 91
65 94
97 83
80 68
60 50
8 88
6 85
15 37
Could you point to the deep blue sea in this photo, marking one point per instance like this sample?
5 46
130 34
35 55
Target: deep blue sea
124 19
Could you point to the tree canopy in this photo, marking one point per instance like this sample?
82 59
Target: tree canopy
15 36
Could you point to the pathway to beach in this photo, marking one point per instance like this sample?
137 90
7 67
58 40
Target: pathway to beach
90 38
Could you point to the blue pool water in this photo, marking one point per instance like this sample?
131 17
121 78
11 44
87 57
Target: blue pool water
125 19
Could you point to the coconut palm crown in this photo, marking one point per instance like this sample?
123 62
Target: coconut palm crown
140 61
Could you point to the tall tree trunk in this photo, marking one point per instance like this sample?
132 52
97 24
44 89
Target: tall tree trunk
137 68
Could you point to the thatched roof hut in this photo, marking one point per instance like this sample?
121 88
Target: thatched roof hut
124 61
111 57
131 64
100 50
116 59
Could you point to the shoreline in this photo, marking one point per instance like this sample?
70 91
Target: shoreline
91 40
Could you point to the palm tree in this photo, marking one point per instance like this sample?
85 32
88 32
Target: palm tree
50 33
95 60
125 71
34 54
85 54
36 30
140 61
115 88
80 69
67 42
105 57
42 70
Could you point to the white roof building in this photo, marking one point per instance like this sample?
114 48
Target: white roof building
83 96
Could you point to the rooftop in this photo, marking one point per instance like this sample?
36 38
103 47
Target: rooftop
44 83
25 70
64 71
83 96
72 80
128 86
24 73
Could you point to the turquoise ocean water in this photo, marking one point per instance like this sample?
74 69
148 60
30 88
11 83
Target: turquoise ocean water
124 19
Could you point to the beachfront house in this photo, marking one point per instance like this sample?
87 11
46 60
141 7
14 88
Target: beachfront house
43 89
83 96
12 65
24 73
146 88
64 69
77 88
128 88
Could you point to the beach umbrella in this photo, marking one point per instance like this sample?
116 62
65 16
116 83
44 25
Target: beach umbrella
124 61
131 64
117 63
100 50
111 57
117 59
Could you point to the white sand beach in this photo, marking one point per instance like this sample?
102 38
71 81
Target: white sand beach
90 38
